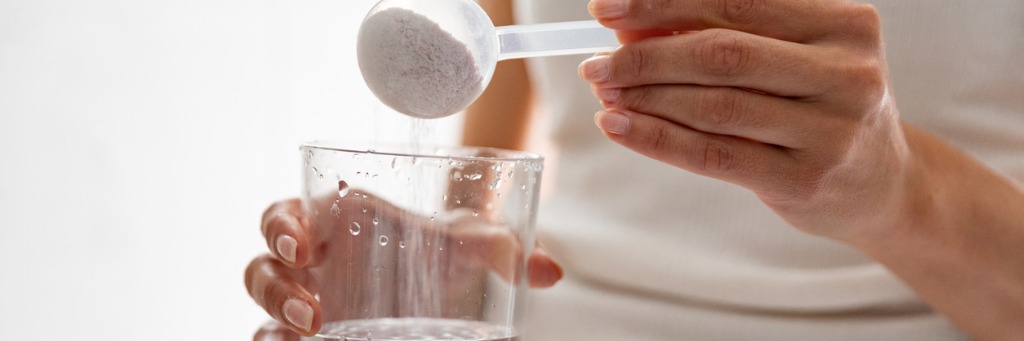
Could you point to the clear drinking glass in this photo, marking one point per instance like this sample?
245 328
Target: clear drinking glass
419 242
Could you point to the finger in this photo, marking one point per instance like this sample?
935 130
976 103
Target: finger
632 36
275 331
497 248
480 244
715 58
792 20
542 270
756 166
724 111
287 232
281 292
299 240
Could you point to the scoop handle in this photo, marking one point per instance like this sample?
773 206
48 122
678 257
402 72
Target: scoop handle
554 39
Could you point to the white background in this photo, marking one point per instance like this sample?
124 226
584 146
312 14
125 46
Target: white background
141 140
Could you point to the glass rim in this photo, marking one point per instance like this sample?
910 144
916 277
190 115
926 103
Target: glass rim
387 149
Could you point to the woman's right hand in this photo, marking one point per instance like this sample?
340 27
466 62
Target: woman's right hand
279 281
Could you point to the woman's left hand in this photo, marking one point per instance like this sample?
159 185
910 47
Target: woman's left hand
788 98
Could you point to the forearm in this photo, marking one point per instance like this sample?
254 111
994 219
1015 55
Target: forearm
500 118
960 241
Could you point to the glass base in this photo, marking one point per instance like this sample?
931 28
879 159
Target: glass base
413 329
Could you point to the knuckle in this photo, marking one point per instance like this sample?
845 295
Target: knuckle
868 81
658 140
638 58
275 213
636 98
718 108
278 221
255 280
271 295
271 210
867 23
743 12
723 54
715 156
250 272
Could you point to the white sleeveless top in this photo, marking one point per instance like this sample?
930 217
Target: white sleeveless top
652 252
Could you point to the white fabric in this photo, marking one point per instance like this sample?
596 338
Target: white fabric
654 253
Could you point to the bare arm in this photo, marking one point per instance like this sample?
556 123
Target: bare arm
802 115
500 118
960 241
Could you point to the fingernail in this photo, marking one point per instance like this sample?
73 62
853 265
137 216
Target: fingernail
286 247
298 313
609 95
613 122
608 9
596 69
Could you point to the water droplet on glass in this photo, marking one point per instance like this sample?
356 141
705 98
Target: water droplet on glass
375 221
460 242
523 187
342 189
365 210
355 228
394 162
335 210
475 213
401 244
458 201
474 176
309 154
444 197
383 240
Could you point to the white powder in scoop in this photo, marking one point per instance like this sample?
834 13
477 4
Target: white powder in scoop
416 67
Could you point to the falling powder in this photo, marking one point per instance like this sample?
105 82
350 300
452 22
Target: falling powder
416 67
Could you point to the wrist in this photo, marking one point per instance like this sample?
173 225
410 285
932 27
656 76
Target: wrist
913 207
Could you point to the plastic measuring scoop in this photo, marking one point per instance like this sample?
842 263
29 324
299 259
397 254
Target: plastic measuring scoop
467 23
